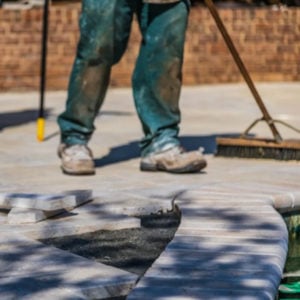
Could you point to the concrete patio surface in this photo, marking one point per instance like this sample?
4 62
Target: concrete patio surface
232 241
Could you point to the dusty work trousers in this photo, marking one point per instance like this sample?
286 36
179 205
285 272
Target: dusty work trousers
104 31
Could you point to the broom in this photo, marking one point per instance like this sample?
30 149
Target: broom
41 119
246 146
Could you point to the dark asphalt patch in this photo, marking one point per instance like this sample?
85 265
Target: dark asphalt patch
133 250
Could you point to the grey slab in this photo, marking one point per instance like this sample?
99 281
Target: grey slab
219 224
218 192
229 239
192 293
217 273
227 283
29 268
27 215
239 203
210 260
45 202
72 224
233 245
283 201
225 232
127 204
254 186
287 202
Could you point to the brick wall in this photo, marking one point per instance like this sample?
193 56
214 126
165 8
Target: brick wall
268 42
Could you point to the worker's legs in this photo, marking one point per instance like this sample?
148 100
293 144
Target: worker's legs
104 32
157 77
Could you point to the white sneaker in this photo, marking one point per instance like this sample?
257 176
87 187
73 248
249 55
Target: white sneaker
174 160
76 159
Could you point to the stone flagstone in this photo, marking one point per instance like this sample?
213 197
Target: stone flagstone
45 202
26 215
30 270
32 208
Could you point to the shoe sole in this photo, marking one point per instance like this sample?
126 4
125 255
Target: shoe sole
192 168
77 173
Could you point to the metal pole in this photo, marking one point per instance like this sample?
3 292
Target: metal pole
41 120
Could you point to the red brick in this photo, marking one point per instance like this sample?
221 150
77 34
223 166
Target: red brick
268 41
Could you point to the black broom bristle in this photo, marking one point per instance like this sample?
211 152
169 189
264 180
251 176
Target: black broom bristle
258 149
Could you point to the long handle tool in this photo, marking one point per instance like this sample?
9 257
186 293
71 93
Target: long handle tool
242 68
244 146
41 117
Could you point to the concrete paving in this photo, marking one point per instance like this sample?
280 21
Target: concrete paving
232 241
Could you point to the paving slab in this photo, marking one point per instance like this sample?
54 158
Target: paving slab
32 208
232 238
45 202
72 224
28 215
29 269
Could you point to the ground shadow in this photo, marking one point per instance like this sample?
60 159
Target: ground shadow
118 154
131 150
16 118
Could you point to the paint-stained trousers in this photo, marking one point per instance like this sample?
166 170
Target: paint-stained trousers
104 31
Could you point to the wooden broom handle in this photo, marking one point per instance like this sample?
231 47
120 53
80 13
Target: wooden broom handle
242 68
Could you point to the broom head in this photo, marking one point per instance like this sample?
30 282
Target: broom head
245 147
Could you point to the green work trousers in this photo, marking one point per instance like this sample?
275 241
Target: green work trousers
104 31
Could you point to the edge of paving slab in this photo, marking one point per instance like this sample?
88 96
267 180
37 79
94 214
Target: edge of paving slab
168 286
